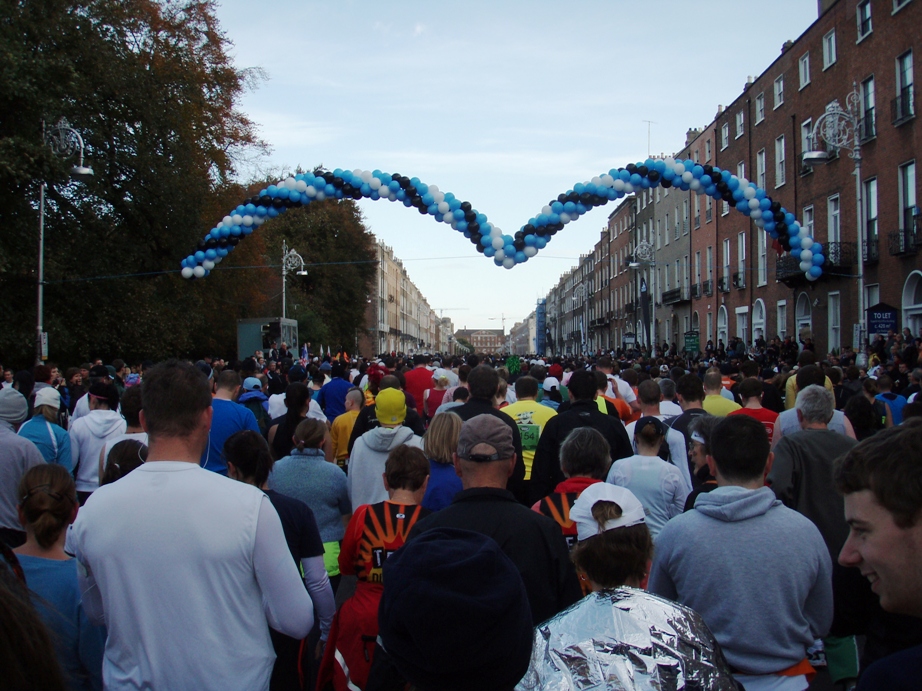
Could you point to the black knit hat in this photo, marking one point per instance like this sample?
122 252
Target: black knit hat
454 613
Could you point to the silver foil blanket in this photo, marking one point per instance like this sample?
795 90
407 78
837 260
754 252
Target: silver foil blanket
626 639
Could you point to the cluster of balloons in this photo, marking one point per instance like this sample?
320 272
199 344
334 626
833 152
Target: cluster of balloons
508 250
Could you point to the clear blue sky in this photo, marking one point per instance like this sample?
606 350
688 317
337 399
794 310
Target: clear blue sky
505 104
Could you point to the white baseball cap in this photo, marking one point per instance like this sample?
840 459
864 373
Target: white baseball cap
632 512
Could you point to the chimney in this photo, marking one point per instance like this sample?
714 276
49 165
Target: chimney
787 44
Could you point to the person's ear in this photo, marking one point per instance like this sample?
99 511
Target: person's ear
457 463
512 465
712 465
231 471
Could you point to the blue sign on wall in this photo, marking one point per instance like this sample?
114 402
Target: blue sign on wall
882 318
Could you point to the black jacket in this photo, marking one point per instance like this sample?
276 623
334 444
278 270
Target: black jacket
533 542
546 473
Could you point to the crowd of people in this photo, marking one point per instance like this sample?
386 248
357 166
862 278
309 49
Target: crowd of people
746 518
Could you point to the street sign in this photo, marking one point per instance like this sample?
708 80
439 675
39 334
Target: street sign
44 345
692 342
630 338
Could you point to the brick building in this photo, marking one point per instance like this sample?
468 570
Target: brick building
484 340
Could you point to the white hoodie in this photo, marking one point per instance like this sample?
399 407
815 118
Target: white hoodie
366 462
88 434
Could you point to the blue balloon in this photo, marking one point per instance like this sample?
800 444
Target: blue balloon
250 209
764 203
789 218
520 258
272 191
540 242
365 189
401 195
235 230
554 219
581 209
393 186
794 242
261 211
222 251
509 250
530 240
199 257
659 165
569 207
210 254
817 248
461 225
697 171
706 180
818 259
428 199
498 262
246 230
375 195
795 252
767 215
624 175
272 212
458 214
488 251
635 179
669 174
486 240
816 271
645 183
557 207
433 209
579 188
541 220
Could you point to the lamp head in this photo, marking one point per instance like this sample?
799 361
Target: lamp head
815 158
81 173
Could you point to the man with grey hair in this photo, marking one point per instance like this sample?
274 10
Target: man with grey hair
17 456
802 477
668 407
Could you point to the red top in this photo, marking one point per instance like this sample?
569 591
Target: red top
764 415
374 533
418 380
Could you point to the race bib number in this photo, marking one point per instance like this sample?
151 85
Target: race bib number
529 434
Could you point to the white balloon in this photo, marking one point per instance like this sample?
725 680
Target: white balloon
498 243
811 277
434 189
760 222
438 197
687 177
806 256
208 265
546 210
628 188
443 207
301 186
694 185
198 271
564 217
187 272
500 254
290 183
669 161
618 185
310 191
530 251
367 176
749 193
217 260
258 220
754 204
806 243
803 233
227 221
320 196
805 266
246 220
448 217
495 232
744 183
679 168
508 262
391 197
596 180
608 180
357 173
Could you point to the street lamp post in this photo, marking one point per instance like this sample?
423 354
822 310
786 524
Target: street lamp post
840 128
291 261
64 141
644 257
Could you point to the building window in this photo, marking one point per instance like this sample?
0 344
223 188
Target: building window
779 161
902 106
898 5
739 124
829 49
806 143
724 136
726 271
760 168
835 331
907 195
863 14
804 70
870 213
724 208
741 256
867 127
779 91
782 319
760 108
763 257
808 220
707 151
833 221
741 170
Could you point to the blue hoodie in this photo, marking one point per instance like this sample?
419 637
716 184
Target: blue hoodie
758 572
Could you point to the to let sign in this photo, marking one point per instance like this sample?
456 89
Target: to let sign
882 318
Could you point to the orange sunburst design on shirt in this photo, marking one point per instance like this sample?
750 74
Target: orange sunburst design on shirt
385 530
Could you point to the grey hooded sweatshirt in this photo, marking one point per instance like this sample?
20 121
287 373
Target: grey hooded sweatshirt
758 572
366 462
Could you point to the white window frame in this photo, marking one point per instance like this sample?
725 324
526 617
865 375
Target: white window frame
707 151
863 7
833 219
906 181
740 124
871 210
724 136
803 69
780 162
829 50
778 90
899 4
834 324
781 319
760 107
760 168
741 170
726 258
809 217
724 208
763 257
741 254
868 101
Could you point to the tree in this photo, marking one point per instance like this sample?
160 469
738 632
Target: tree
152 89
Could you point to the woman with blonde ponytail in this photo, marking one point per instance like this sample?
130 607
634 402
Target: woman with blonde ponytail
47 506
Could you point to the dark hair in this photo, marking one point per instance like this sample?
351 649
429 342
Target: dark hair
870 386
582 386
750 387
740 448
228 380
690 388
406 468
601 381
911 410
131 406
41 373
865 420
749 368
104 392
526 387
835 375
297 396
853 373
884 382
649 435
460 394
47 497
649 392
612 557
630 376
463 371
173 395
309 434
808 375
888 465
483 381
249 452
123 457
585 452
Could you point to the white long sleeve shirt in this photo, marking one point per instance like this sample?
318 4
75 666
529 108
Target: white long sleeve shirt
188 570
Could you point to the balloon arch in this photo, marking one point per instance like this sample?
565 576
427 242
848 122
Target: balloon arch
508 250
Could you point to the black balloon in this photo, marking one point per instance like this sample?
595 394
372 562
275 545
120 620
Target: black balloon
265 200
779 216
528 228
666 183
201 245
642 171
470 216
473 226
233 241
631 168
222 243
519 235
211 243
775 207
708 169
465 206
562 198
519 245
653 175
